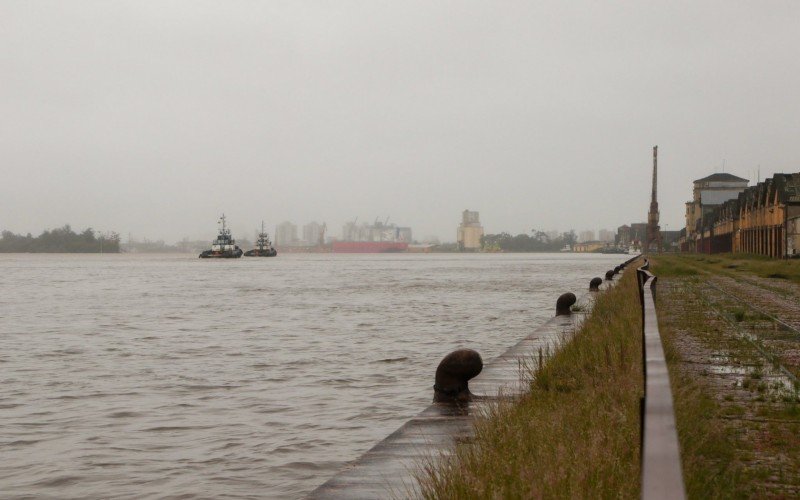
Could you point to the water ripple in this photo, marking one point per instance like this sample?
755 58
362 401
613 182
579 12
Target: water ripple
141 376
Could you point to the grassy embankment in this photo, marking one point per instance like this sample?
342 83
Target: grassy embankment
736 442
576 434
734 265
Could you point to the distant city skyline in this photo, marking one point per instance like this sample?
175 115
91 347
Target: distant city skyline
602 234
293 228
155 117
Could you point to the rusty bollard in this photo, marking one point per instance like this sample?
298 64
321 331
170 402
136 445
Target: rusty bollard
610 275
453 373
594 285
564 303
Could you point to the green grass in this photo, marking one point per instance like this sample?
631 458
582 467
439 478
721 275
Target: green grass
677 265
718 443
576 434
709 448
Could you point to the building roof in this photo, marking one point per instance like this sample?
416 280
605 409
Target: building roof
722 177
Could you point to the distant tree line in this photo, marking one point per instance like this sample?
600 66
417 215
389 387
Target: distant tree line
60 240
537 241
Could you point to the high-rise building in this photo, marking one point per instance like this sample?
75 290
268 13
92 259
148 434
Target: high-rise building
286 234
587 235
606 235
312 233
470 231
623 238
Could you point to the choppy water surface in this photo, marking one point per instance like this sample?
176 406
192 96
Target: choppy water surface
144 376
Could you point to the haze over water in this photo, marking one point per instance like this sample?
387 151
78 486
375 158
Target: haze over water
144 376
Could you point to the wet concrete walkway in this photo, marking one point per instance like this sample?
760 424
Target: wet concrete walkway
390 469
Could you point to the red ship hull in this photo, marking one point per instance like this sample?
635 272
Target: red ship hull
369 246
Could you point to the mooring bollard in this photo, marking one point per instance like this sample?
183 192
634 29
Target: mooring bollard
594 285
564 303
617 269
453 374
609 275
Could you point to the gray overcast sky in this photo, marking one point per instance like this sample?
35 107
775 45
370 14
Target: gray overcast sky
153 117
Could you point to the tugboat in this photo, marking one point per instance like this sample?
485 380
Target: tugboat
224 247
264 247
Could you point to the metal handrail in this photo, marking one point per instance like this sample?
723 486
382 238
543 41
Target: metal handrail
662 476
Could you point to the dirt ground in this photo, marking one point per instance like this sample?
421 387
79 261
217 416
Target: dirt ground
738 339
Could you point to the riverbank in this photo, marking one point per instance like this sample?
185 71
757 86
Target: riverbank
576 433
727 326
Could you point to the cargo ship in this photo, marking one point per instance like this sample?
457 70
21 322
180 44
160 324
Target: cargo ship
369 246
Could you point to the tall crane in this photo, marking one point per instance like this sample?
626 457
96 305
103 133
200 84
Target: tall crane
653 239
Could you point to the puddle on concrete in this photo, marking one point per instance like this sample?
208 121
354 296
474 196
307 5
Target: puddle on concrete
727 370
719 358
770 381
765 379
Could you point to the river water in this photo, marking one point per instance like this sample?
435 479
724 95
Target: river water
132 376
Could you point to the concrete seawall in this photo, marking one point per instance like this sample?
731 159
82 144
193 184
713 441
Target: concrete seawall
390 468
